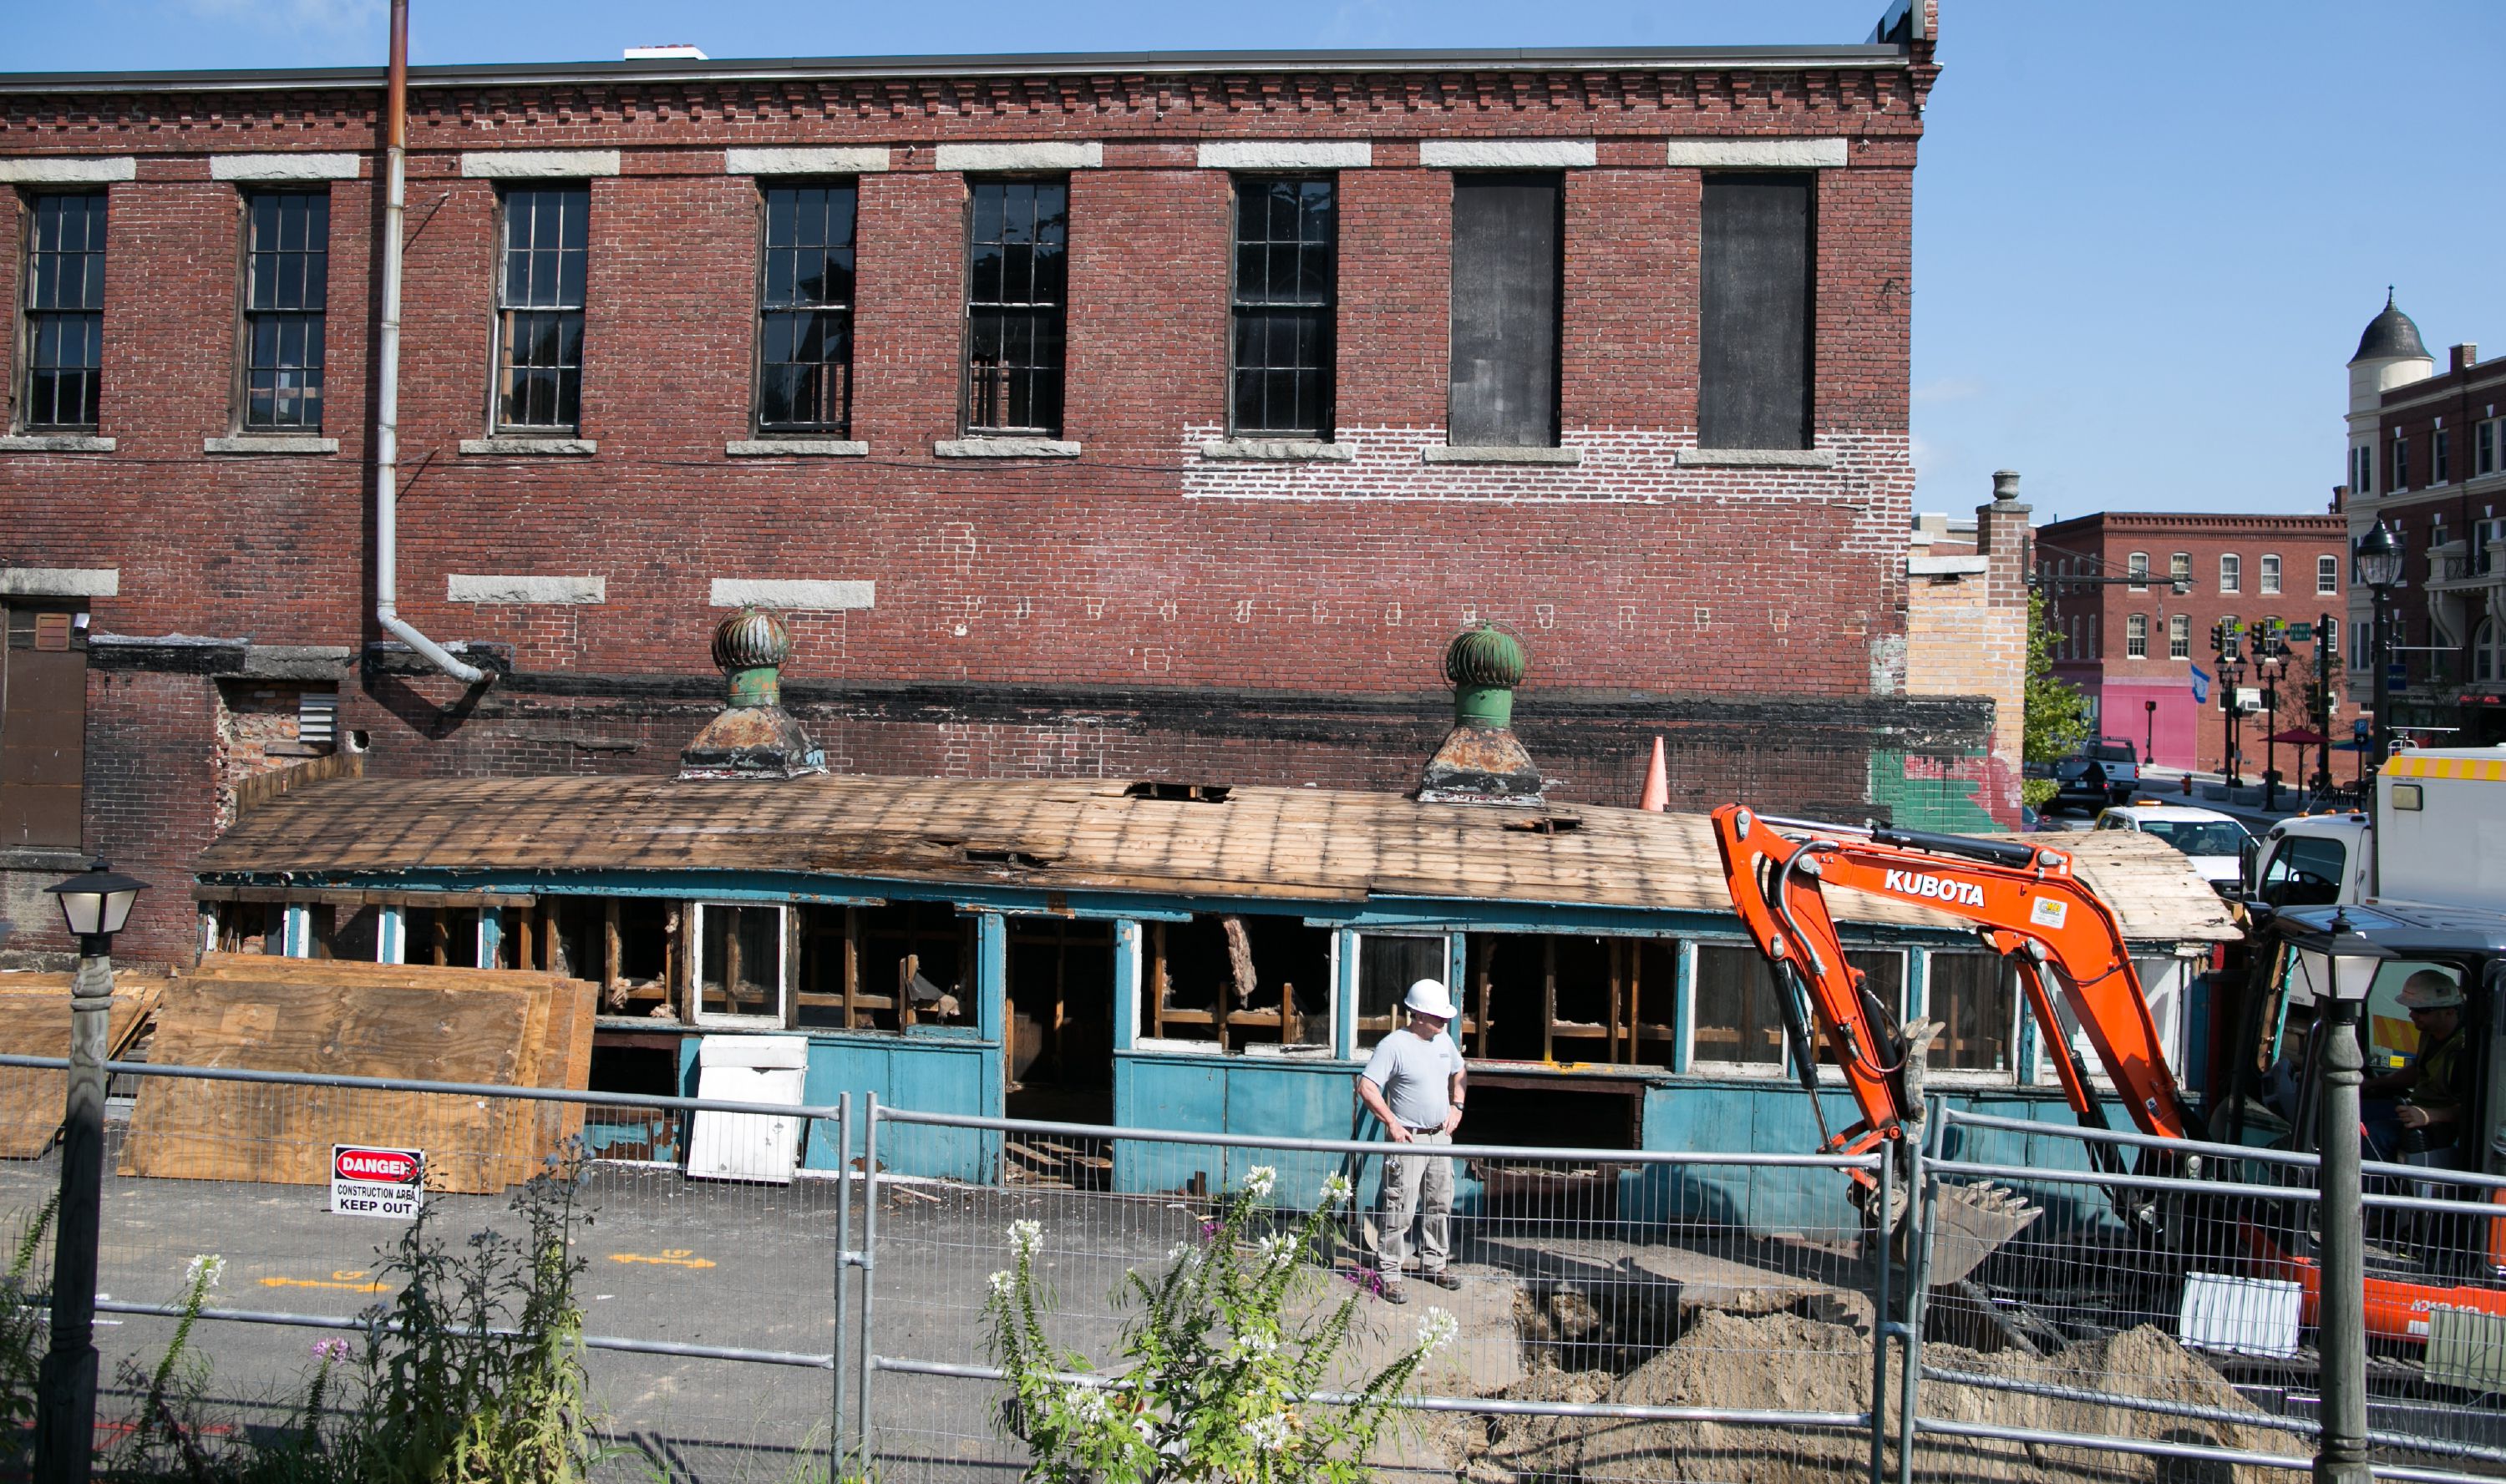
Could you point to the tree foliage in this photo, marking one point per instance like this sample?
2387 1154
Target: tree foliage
2057 715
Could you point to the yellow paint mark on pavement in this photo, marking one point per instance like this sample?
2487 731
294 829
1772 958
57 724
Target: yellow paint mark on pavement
668 1256
341 1278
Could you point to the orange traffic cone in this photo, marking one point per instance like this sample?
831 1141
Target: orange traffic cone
1656 785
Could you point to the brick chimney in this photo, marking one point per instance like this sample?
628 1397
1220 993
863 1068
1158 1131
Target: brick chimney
2462 357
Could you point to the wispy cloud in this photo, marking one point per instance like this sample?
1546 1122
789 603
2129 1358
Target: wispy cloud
329 16
1950 389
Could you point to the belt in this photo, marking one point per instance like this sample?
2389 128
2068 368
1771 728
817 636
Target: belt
1432 1128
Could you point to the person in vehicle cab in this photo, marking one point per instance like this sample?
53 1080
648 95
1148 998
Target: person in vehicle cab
2435 1088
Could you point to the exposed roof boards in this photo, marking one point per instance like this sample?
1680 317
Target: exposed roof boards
1288 845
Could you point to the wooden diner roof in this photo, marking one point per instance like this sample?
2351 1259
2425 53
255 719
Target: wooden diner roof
1259 843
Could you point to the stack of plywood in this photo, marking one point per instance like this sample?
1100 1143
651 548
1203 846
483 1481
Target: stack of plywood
35 1021
502 1027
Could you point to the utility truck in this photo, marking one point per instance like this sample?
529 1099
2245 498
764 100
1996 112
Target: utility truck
2437 836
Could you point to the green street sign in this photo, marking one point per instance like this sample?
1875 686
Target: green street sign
2301 633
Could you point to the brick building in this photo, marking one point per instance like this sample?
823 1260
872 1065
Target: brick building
2132 647
2427 456
1151 416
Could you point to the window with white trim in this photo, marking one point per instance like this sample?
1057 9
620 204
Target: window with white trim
2231 573
2327 575
2179 567
2362 470
2179 636
739 968
2136 566
2484 451
2135 636
2270 572
2489 652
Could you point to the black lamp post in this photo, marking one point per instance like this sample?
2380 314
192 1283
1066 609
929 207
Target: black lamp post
2271 665
2231 677
2149 734
2377 562
2338 967
94 904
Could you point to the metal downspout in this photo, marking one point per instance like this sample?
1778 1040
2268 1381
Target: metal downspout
387 377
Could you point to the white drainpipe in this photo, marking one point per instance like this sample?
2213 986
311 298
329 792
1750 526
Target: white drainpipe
388 398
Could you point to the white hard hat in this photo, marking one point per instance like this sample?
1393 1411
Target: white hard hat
1428 997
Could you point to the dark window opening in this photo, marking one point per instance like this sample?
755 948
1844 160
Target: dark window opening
1179 793
1286 287
540 300
252 926
351 933
1738 1019
805 333
1060 995
43 727
1387 965
627 944
442 936
1754 370
286 291
1017 239
1571 997
2401 465
1506 306
65 308
1975 997
913 964
2441 460
1241 982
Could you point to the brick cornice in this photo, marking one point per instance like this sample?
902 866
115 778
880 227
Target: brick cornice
2193 523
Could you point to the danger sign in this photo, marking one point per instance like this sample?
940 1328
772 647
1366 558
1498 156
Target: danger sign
373 1181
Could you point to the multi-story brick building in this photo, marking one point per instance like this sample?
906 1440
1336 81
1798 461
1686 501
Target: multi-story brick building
2132 646
1136 415
2427 457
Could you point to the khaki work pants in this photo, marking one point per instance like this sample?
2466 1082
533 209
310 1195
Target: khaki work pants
1419 1185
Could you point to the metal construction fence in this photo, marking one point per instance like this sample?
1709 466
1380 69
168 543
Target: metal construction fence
1614 1314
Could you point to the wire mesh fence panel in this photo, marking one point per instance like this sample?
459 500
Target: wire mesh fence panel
2158 1303
665 1261
1561 1280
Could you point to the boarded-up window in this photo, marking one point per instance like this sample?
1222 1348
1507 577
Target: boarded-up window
1754 357
1506 231
43 727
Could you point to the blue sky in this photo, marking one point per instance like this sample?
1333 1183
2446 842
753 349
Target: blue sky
2143 250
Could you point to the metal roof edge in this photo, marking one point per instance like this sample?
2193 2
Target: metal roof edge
809 69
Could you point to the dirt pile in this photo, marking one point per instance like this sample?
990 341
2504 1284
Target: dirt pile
1785 1361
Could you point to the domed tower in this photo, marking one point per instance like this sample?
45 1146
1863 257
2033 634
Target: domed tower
1480 761
2389 355
752 736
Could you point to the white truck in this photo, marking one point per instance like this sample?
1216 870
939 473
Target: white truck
2436 835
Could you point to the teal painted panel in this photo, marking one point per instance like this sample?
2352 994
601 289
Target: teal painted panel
932 1076
1291 1101
1186 1093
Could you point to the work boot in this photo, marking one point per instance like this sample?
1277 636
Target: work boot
1394 1293
1440 1279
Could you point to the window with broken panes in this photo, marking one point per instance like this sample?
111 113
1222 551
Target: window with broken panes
1570 997
804 331
1738 1022
1975 997
1018 240
287 286
65 311
739 962
539 308
1286 287
1251 982
1387 965
888 967
627 946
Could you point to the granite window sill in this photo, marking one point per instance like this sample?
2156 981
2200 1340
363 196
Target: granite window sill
1005 449
1278 451
1489 453
1757 458
269 444
531 447
797 448
56 443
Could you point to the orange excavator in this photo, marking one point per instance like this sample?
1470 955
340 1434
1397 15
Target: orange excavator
2029 906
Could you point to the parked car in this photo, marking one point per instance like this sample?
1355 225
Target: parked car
2215 842
2104 772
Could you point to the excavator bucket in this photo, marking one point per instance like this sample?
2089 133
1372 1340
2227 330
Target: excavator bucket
1970 1223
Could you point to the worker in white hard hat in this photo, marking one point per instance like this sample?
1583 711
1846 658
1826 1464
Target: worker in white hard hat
2435 1087
1413 1084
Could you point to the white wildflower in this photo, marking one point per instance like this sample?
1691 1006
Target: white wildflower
1336 1189
1089 1406
1260 1181
1260 1345
1278 1251
1184 1255
1026 1237
1001 1281
203 1271
1268 1432
1437 1331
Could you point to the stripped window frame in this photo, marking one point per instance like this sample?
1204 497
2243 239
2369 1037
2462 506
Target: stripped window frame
297 378
1313 356
42 373
834 394
988 397
551 309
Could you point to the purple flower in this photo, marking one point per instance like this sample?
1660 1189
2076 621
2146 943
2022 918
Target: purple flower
329 1351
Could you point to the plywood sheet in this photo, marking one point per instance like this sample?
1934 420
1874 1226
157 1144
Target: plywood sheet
35 1021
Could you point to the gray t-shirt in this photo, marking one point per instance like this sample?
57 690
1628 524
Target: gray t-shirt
1415 1074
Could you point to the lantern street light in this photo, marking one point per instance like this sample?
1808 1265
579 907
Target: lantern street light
2338 967
2271 665
2375 562
94 904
